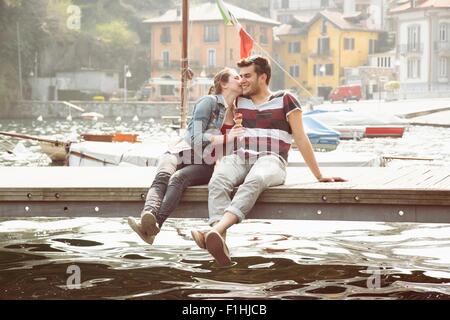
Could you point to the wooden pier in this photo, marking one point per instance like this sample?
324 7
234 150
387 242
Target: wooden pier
410 194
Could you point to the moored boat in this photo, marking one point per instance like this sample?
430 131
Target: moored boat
357 125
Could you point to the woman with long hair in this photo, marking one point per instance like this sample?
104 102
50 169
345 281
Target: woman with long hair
191 162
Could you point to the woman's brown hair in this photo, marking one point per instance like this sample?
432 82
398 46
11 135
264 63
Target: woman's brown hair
223 76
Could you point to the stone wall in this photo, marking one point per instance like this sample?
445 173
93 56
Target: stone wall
58 110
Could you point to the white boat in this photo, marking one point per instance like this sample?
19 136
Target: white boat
57 152
146 154
357 125
94 116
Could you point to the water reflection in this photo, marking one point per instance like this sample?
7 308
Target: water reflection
273 260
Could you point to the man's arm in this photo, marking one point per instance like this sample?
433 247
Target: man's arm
305 147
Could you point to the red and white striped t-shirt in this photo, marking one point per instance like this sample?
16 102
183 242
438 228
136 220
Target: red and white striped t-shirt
267 130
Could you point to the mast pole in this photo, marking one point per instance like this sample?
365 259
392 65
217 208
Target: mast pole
184 65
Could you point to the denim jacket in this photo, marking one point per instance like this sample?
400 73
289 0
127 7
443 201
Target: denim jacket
207 119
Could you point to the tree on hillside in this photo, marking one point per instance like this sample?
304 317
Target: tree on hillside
112 34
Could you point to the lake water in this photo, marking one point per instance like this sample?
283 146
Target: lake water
418 141
273 259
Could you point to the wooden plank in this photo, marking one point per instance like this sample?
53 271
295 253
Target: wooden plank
391 213
273 195
443 183
385 177
437 175
131 185
409 179
402 175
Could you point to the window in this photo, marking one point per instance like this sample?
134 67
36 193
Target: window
263 38
324 27
211 58
329 69
443 67
294 71
284 4
413 68
167 90
294 47
384 62
443 32
166 59
323 46
165 35
250 30
323 69
211 33
372 46
413 38
349 44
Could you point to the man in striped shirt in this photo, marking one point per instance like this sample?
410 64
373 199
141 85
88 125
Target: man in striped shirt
270 121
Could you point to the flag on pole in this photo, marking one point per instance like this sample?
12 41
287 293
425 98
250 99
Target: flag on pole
230 20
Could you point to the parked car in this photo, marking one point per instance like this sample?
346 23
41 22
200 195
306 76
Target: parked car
345 93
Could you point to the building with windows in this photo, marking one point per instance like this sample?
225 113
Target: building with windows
212 46
423 47
317 52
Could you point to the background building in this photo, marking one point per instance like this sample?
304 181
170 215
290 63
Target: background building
423 47
212 45
77 85
316 53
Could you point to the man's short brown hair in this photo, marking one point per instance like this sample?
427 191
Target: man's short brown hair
262 65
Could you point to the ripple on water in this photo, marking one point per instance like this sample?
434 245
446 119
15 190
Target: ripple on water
418 141
312 260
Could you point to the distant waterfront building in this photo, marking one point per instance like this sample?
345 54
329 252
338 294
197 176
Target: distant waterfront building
77 85
381 69
212 45
317 52
423 47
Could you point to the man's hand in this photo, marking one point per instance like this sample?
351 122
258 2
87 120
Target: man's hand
332 179
237 131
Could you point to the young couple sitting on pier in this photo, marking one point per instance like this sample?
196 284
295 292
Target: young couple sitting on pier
238 136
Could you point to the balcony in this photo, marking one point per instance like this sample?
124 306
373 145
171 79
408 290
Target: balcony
442 47
410 49
196 65
324 54
166 64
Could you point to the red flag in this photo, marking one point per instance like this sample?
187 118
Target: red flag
230 20
246 43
